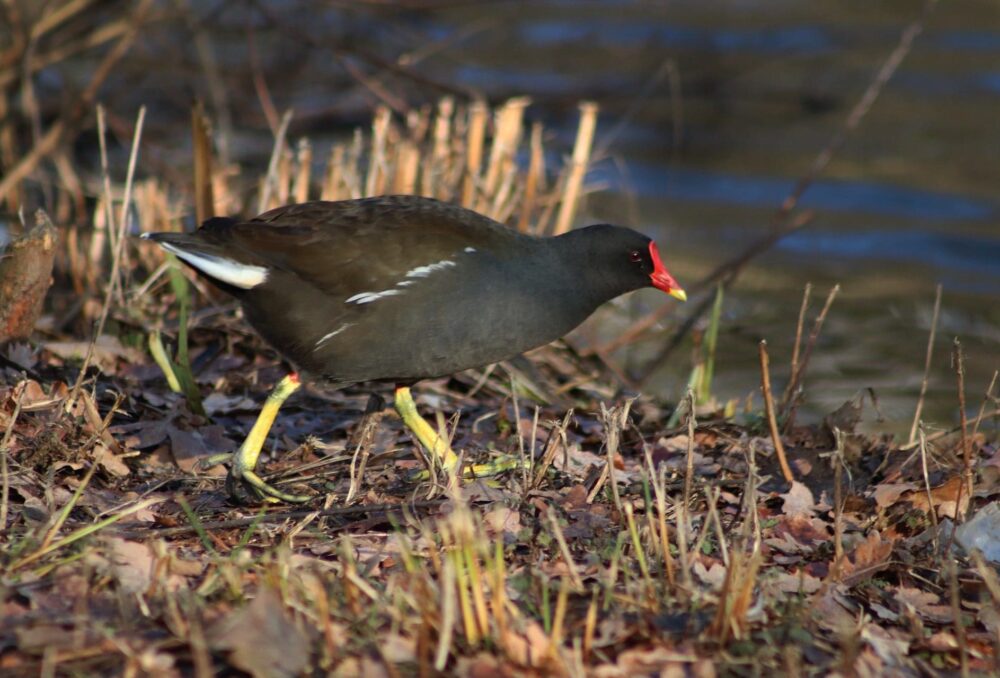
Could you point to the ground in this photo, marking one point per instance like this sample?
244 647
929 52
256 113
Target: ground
690 552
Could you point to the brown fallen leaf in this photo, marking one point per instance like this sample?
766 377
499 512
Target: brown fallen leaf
482 665
665 661
190 447
989 471
944 498
110 462
887 494
130 562
833 610
890 647
924 603
942 641
799 501
870 556
108 350
503 520
530 648
262 638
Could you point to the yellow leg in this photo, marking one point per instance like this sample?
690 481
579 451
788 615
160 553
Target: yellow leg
424 432
245 459
438 446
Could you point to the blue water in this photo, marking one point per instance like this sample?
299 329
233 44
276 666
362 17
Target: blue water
966 256
805 39
800 39
824 194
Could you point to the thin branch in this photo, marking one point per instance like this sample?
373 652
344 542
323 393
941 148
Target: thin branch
772 423
927 365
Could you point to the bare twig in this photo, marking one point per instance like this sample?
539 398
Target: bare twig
789 404
574 573
798 341
837 458
116 260
272 167
772 423
963 422
927 365
951 569
982 406
4 447
689 457
927 488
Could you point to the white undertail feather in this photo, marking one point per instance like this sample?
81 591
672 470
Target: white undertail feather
244 276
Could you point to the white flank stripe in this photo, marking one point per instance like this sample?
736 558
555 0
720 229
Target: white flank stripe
369 297
470 250
424 271
244 276
331 335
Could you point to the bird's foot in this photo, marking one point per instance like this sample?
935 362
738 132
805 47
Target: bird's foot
494 467
242 476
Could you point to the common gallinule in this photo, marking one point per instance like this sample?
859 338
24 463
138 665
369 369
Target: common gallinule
403 288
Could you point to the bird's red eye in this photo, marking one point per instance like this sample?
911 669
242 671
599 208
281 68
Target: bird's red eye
635 256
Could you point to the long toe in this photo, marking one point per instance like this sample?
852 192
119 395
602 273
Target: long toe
495 466
214 460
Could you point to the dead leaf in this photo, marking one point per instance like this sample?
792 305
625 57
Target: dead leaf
483 665
799 501
642 661
989 471
944 498
397 649
846 417
887 494
867 558
107 351
503 520
833 610
141 435
891 650
942 641
924 603
713 576
218 403
530 648
794 582
190 447
262 638
110 462
131 563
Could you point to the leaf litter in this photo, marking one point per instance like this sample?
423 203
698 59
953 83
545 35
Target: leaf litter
479 580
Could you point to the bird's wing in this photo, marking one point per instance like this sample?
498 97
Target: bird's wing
361 246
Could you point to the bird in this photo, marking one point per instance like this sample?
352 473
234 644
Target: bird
400 288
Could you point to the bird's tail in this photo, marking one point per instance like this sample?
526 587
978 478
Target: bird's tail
210 259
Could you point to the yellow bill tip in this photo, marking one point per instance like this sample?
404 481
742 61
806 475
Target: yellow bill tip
679 294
